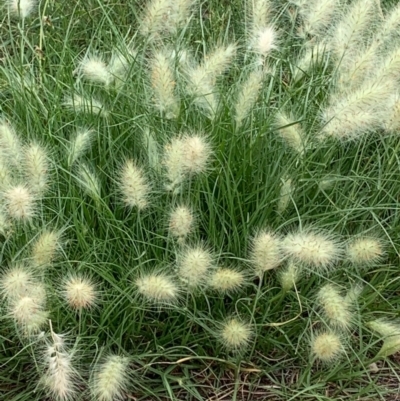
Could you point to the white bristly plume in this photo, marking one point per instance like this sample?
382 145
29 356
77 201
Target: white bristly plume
389 28
163 85
11 148
258 14
110 379
352 29
21 8
89 181
79 144
60 379
317 16
155 19
94 69
36 166
350 115
202 78
291 132
247 96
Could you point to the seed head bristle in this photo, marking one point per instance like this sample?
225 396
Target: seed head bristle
181 221
317 250
337 309
110 379
134 186
235 334
194 266
80 292
226 280
45 249
60 377
19 203
94 69
365 251
36 164
327 346
158 288
265 252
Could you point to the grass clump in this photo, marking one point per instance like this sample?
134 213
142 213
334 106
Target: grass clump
203 197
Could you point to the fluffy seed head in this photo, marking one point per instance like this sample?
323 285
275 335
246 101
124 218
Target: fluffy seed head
5 175
196 154
291 132
79 144
362 64
110 379
45 249
22 8
194 265
258 13
10 144
264 40
350 30
28 314
215 63
19 202
173 162
388 69
389 26
266 252
336 308
248 94
163 85
181 221
164 17
365 251
89 181
15 282
312 249
79 292
36 165
384 327
183 156
326 346
202 78
60 377
4 223
327 182
202 88
289 276
157 288
18 282
154 21
350 115
226 280
390 331
134 186
180 14
235 334
317 16
94 69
